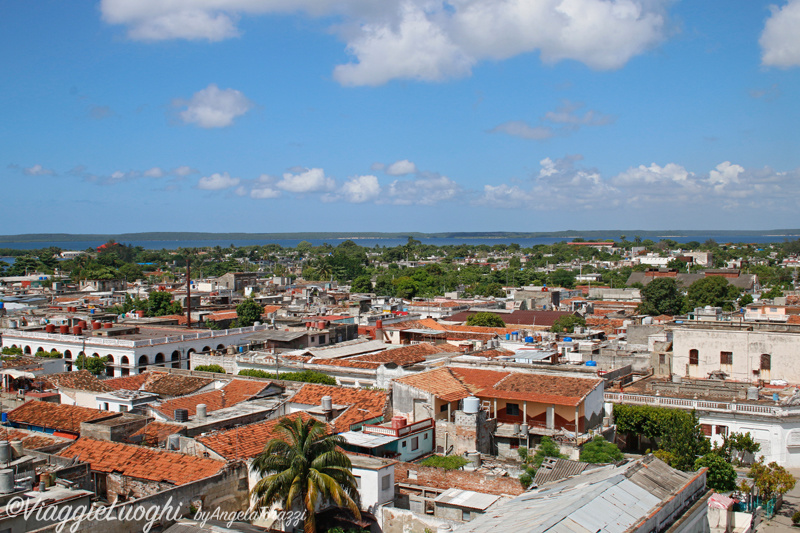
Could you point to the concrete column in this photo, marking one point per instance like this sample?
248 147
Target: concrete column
448 411
551 417
524 412
577 420
495 407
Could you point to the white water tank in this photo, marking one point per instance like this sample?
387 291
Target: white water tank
5 452
201 411
6 481
472 405
327 403
16 449
523 429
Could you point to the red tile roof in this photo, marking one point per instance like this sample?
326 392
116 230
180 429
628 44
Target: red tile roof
80 380
161 383
238 390
142 462
31 440
365 404
155 432
60 417
454 383
408 355
438 478
247 441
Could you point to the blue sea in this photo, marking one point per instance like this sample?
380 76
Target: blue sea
385 242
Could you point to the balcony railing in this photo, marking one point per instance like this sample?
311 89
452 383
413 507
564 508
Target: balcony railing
399 432
703 405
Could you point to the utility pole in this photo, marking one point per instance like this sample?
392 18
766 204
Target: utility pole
188 293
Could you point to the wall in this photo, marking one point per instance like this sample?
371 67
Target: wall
394 520
115 433
226 491
371 487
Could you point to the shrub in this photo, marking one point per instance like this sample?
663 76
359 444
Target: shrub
306 376
448 462
210 368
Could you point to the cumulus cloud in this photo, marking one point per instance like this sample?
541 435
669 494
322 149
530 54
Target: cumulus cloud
154 172
563 121
360 189
38 170
184 171
213 107
306 180
519 128
425 189
217 181
401 168
428 40
780 40
262 192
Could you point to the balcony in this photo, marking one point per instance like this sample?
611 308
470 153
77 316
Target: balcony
398 432
703 405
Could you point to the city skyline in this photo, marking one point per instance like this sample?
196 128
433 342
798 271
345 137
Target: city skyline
270 116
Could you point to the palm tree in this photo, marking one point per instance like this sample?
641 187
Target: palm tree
302 467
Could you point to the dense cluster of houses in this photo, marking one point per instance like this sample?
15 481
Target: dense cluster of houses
412 380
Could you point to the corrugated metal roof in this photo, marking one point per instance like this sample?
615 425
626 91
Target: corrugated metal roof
467 498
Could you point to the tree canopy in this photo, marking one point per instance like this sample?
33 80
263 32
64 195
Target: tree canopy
486 319
662 296
567 323
302 467
248 312
714 291
599 450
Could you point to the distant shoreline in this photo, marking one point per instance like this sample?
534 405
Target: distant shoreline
566 234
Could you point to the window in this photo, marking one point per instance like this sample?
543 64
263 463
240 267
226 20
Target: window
403 444
706 429
766 361
322 339
726 358
123 408
386 482
512 409
514 444
414 443
312 339
443 408
694 357
425 436
465 515
662 359
721 430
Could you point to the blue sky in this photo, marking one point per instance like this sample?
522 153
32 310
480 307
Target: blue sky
399 115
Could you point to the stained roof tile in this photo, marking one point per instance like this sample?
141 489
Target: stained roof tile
55 416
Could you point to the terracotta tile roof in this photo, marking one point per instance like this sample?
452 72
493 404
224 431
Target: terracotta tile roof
238 390
222 315
247 441
438 478
269 309
132 382
345 362
407 355
31 440
365 404
436 304
56 416
80 380
161 383
454 383
156 432
540 388
141 462
494 352
463 335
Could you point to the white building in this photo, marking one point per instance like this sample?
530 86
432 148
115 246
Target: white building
130 349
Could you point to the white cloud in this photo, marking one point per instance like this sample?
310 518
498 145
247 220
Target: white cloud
184 171
780 40
307 180
426 189
38 170
567 114
213 107
263 192
360 189
401 168
519 128
217 181
154 172
428 40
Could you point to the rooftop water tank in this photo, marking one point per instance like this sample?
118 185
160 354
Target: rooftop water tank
523 429
591 363
472 405
181 415
567 339
5 452
752 393
63 329
6 481
399 422
327 403
528 339
16 449
50 328
201 411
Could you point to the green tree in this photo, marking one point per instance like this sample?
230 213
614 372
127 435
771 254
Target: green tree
547 448
486 319
736 445
599 450
721 476
773 292
95 365
662 297
771 479
567 323
160 303
248 312
714 291
362 283
302 467
745 300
